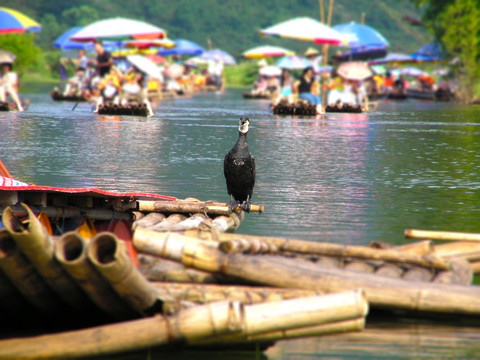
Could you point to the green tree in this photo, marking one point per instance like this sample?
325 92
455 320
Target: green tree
23 46
461 37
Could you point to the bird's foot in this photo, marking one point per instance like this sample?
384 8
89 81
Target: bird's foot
245 206
232 204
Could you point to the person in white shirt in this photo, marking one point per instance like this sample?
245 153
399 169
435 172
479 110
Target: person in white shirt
9 85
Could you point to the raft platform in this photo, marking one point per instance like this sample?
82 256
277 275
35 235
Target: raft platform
301 108
78 266
59 96
133 109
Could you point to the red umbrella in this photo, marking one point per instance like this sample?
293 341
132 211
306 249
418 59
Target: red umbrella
354 70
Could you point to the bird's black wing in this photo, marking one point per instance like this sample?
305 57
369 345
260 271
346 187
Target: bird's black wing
253 169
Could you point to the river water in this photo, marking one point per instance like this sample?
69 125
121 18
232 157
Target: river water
342 178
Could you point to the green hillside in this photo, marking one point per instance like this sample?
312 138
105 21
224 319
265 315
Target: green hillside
231 25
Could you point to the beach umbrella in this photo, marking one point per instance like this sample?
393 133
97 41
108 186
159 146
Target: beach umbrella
150 43
361 36
145 65
266 51
118 29
64 43
270 70
13 21
306 29
183 47
218 55
354 70
392 58
7 57
293 62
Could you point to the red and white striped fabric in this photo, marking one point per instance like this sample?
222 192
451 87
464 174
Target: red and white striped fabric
5 181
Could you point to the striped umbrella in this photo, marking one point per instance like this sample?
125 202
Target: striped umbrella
13 21
266 51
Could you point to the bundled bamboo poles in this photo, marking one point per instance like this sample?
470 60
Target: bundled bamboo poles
25 278
110 258
35 243
71 252
291 273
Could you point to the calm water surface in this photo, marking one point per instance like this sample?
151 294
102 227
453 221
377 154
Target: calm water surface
343 178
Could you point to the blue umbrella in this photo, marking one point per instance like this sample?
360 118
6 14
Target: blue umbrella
64 43
183 47
218 55
361 53
362 36
429 52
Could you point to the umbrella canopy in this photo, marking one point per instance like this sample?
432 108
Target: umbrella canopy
118 29
359 35
293 62
64 43
266 51
218 55
13 21
145 65
7 57
306 29
183 47
153 43
429 52
354 70
359 54
270 70
392 58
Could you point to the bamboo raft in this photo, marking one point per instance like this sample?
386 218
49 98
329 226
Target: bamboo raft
131 271
249 95
131 109
57 95
300 107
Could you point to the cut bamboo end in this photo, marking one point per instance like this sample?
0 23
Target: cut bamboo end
192 206
441 235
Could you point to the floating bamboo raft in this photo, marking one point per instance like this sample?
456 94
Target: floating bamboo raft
132 109
249 95
59 96
300 107
129 271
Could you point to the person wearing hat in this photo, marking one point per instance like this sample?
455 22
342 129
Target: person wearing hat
314 56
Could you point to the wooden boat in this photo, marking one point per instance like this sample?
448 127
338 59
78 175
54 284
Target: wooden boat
57 95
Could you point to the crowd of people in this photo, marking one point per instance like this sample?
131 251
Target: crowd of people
117 81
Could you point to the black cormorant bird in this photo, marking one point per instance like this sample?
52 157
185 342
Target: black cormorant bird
239 169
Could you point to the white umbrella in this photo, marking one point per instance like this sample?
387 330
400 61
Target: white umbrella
145 65
306 29
118 29
270 70
354 70
7 57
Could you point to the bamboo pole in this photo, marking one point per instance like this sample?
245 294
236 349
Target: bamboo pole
416 273
424 247
170 221
109 256
475 267
390 270
329 249
34 242
71 253
189 325
276 317
441 235
229 223
190 207
25 278
461 274
284 272
205 293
